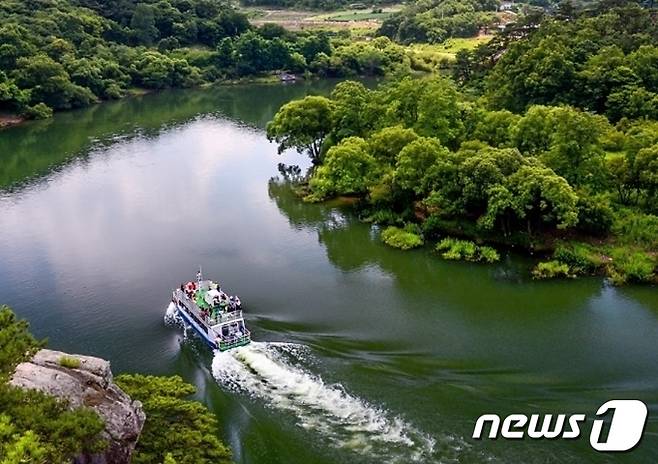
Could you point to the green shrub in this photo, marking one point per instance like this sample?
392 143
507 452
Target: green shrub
631 266
633 227
385 217
455 249
401 238
436 225
433 226
595 216
38 111
551 270
69 361
16 342
488 254
580 257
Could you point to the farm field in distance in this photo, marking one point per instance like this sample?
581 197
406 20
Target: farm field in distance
355 19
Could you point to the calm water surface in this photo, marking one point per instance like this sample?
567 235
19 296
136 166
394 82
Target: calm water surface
365 354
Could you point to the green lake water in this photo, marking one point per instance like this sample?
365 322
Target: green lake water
364 354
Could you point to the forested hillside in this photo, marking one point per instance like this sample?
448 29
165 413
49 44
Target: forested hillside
604 61
551 143
65 54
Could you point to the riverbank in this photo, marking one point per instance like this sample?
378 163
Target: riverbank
9 120
557 254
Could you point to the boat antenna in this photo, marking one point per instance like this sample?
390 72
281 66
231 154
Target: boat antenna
199 275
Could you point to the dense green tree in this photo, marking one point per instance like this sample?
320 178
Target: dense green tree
532 133
143 24
595 214
303 125
16 342
272 31
414 161
312 45
645 167
495 127
50 83
567 140
11 96
481 171
575 150
386 144
348 168
14 45
349 114
225 57
439 112
534 195
399 101
175 426
19 448
251 53
621 177
644 63
632 102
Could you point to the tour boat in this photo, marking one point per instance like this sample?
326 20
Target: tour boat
215 316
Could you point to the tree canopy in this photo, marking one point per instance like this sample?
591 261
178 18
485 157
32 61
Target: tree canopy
419 150
71 53
176 429
303 125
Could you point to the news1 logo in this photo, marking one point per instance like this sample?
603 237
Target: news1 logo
624 431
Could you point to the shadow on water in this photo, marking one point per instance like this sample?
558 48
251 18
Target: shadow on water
477 331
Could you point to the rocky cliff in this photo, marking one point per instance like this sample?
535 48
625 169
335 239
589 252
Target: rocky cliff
87 381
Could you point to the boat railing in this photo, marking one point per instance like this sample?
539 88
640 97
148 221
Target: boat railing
223 318
229 316
234 341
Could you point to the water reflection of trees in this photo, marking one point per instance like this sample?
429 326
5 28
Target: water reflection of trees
353 246
35 149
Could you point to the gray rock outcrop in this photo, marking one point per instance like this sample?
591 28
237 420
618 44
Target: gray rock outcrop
87 381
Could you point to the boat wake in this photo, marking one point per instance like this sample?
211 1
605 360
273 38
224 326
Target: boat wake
170 316
264 371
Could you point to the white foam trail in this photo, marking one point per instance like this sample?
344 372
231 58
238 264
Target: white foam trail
170 316
260 370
